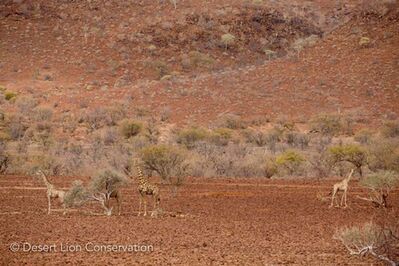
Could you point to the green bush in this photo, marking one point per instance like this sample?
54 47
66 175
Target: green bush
352 153
76 195
227 40
290 160
130 128
9 95
167 161
221 136
190 136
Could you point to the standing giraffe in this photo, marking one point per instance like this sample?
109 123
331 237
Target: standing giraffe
146 189
341 186
52 193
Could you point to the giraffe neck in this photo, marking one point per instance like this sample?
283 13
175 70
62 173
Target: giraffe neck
46 182
141 178
349 176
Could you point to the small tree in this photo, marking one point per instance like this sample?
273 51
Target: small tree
167 161
103 185
227 40
77 195
368 239
326 124
380 184
189 137
290 160
352 153
130 128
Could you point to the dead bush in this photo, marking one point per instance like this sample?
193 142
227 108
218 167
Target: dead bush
319 157
100 117
390 129
297 140
26 104
43 113
257 137
369 238
232 121
326 124
103 185
4 158
380 184
364 136
383 154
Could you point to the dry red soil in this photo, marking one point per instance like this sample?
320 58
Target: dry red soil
221 221
109 45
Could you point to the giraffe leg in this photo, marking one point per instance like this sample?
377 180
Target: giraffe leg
145 207
64 212
49 204
346 205
341 204
141 199
332 198
118 201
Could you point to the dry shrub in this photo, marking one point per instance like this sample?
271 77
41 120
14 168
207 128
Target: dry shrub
297 139
319 159
188 137
100 117
103 185
130 128
43 113
4 158
221 136
227 40
364 136
77 195
326 124
231 121
26 104
159 67
196 59
383 154
380 185
257 137
390 129
370 238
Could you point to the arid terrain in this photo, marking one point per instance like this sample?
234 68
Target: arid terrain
222 222
253 109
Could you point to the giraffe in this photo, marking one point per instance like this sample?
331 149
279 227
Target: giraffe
146 189
52 193
114 194
341 186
